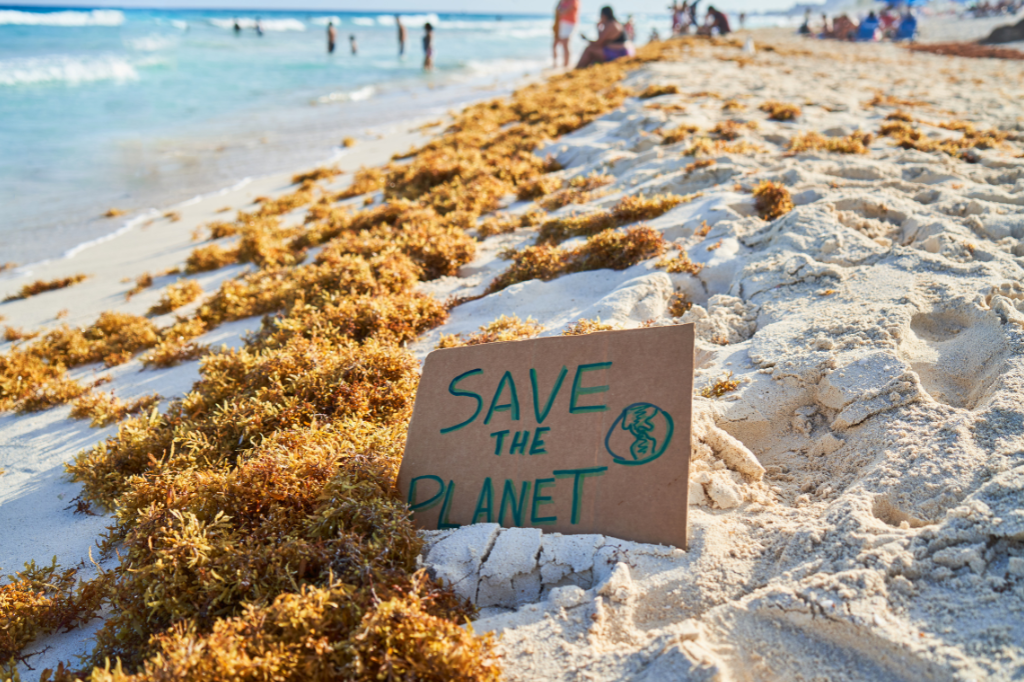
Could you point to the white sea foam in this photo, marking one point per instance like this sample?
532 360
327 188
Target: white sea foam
267 24
152 42
359 95
324 21
96 17
65 69
496 67
496 26
413 20
131 224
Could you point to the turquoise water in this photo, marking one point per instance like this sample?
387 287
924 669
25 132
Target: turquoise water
136 109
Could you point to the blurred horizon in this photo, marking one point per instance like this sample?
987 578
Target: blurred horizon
520 7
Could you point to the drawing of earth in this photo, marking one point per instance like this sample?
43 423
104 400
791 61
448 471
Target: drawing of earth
640 435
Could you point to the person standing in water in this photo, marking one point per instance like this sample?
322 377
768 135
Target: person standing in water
428 47
237 28
567 14
332 37
259 27
353 44
401 36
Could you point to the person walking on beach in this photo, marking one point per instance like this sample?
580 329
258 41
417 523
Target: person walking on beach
353 44
332 37
567 15
401 35
611 44
428 47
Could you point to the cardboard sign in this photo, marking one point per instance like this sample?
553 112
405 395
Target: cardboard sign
580 434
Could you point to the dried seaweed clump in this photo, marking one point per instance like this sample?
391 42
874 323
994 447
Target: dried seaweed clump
909 137
29 383
505 328
41 286
502 223
733 105
679 305
209 257
278 470
969 50
142 282
538 187
698 164
678 134
585 326
176 344
659 90
772 200
113 339
543 261
680 263
581 189
780 111
728 130
34 379
629 209
405 636
900 115
178 294
41 600
366 180
322 173
104 409
608 249
220 229
882 100
854 143
13 334
4 267
719 388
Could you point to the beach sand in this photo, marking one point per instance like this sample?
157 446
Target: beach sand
856 502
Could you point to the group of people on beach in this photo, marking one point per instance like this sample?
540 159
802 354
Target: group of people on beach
887 24
403 34
716 22
614 39
995 9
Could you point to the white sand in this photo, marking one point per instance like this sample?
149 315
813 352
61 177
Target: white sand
857 502
879 333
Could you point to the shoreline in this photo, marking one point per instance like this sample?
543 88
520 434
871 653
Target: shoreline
885 255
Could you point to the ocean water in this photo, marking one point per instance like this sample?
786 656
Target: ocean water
138 109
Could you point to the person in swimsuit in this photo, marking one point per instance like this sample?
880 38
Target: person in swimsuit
332 37
401 35
715 21
611 44
567 14
428 47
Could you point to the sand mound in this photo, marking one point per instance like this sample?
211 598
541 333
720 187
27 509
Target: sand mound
856 501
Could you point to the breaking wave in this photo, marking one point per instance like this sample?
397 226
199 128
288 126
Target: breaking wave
96 17
65 69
